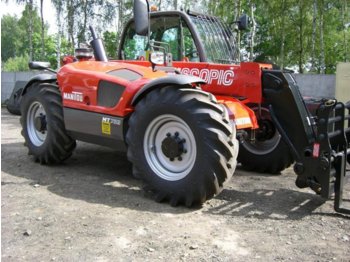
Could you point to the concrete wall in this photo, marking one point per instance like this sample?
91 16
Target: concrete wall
316 85
310 85
8 80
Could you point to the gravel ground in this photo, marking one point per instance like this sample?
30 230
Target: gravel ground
91 209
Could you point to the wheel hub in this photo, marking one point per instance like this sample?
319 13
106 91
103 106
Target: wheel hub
266 138
40 123
173 146
170 147
266 130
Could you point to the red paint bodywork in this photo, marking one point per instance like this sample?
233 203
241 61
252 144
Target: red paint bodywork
246 86
83 77
246 79
235 86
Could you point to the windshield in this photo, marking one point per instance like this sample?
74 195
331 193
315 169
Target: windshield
217 39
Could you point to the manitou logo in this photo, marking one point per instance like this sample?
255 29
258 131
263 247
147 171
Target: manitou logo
223 77
74 96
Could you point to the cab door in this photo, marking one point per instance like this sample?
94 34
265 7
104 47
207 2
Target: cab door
170 30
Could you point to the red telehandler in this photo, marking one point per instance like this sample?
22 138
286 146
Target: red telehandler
180 106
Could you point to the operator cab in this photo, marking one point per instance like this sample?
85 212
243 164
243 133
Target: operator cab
189 37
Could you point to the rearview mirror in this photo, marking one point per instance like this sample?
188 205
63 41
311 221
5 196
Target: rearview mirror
141 12
243 22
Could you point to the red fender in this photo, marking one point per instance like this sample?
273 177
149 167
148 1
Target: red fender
239 113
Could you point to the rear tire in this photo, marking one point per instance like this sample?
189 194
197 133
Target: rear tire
181 145
13 103
268 153
43 125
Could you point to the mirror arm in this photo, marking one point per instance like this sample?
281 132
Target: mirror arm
149 23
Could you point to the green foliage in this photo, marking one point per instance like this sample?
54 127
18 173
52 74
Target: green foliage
15 42
51 50
15 32
110 40
18 63
286 33
30 16
10 37
130 49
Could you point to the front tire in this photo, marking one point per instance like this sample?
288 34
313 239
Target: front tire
181 145
43 125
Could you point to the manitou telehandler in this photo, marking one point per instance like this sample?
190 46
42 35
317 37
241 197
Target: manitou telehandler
180 106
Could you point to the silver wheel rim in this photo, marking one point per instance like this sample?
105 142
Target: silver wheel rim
35 110
162 166
262 147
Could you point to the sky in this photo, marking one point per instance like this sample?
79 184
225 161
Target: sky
16 9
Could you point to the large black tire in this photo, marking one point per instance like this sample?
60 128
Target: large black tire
43 125
268 153
181 145
13 104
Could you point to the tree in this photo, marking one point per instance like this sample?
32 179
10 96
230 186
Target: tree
313 39
110 40
11 34
252 31
270 35
302 24
30 10
70 7
124 13
15 64
19 35
58 4
31 25
312 36
283 33
42 29
322 48
346 26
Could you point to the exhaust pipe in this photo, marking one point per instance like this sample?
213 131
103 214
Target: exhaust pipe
97 46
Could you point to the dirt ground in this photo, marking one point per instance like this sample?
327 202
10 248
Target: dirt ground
91 209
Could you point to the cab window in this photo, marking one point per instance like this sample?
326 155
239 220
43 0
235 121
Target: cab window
172 31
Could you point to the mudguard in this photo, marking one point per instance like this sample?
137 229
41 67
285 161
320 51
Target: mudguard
178 80
241 115
39 78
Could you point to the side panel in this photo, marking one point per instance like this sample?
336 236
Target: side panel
243 81
96 128
80 91
106 88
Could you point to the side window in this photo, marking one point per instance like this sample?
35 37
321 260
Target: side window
134 45
171 37
171 30
190 50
